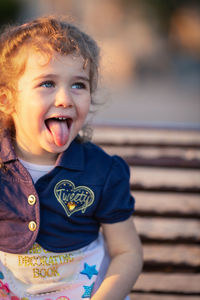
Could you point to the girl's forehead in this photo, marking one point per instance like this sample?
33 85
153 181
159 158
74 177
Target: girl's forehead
40 61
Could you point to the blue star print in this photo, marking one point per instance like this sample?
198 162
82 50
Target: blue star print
89 270
88 291
1 275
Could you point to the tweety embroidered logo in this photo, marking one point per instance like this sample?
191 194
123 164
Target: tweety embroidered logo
73 198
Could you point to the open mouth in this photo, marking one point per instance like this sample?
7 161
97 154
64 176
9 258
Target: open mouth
48 122
59 128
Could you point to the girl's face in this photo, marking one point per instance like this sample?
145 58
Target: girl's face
52 104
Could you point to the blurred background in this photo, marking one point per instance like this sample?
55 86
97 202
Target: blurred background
150 56
150 86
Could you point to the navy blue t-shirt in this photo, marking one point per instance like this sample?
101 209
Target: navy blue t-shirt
88 187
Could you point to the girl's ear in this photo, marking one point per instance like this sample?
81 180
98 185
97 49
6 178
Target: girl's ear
5 105
3 102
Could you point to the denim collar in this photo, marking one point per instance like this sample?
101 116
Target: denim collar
7 151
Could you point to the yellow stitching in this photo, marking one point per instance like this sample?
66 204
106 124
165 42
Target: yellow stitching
38 261
73 198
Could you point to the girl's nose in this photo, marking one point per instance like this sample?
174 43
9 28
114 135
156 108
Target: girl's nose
63 98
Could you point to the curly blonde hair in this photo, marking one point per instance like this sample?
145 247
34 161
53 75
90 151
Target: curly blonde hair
47 35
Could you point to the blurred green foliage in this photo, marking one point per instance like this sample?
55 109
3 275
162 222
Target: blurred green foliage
9 11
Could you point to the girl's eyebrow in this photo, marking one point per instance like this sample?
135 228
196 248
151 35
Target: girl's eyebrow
85 78
43 76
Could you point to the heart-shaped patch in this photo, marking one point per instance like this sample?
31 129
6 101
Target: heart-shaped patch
73 198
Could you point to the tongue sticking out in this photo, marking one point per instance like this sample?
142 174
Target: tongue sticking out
59 131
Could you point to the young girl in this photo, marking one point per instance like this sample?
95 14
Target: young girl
57 190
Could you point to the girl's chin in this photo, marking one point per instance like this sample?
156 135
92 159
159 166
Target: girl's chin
54 149
57 149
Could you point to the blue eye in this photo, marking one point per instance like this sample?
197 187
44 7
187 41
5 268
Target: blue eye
78 85
47 84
